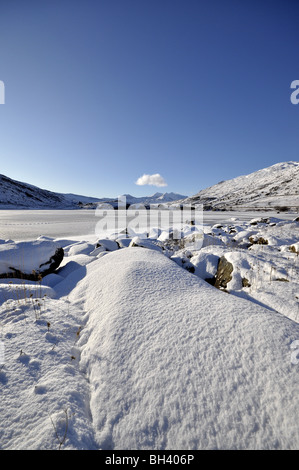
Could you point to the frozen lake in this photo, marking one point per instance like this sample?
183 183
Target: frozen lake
30 224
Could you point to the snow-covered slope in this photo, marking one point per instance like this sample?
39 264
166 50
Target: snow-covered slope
19 195
167 197
157 198
275 186
196 368
129 351
79 199
15 194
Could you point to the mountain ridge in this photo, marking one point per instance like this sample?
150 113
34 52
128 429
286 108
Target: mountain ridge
19 195
269 188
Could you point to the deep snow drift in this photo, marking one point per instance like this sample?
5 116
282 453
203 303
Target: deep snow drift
127 350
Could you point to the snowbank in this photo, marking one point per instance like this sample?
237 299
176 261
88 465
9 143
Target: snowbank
176 364
125 349
29 259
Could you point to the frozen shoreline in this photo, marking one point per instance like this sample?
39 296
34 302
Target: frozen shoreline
30 224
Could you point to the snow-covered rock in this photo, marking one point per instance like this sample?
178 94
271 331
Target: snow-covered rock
29 260
205 264
266 272
107 244
145 243
294 247
282 233
81 248
123 242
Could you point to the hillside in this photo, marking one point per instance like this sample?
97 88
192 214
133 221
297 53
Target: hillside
266 189
18 195
157 198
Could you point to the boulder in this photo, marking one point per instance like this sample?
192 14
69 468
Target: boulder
260 220
258 240
223 275
145 243
245 282
80 248
294 248
109 245
123 242
206 265
30 260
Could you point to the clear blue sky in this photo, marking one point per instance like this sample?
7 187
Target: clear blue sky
100 92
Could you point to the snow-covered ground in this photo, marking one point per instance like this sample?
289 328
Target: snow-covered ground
123 348
264 254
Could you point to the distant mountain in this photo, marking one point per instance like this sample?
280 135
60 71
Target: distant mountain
18 195
157 198
168 197
274 187
78 199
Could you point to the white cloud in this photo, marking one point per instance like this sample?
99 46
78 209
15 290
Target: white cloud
153 180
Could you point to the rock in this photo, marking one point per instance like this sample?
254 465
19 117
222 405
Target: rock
30 260
109 245
81 248
123 242
97 251
258 241
245 282
223 275
145 243
294 248
206 265
261 220
170 235
197 240
184 263
190 268
155 232
194 241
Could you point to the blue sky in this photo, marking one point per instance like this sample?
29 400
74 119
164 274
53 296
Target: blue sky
99 93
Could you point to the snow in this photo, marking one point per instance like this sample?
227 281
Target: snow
271 270
125 349
27 256
270 189
157 198
19 195
109 245
265 189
